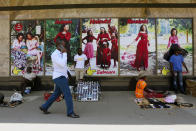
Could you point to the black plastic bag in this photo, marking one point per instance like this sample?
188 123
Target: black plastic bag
167 56
1 98
174 47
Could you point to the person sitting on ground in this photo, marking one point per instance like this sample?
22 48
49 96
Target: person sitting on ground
29 78
141 85
80 60
176 62
2 102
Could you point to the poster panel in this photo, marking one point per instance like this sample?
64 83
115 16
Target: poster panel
27 46
137 46
67 30
100 45
172 33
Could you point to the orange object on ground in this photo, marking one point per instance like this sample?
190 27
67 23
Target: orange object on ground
139 91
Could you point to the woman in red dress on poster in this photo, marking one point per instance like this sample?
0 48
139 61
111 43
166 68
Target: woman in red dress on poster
142 49
103 36
65 35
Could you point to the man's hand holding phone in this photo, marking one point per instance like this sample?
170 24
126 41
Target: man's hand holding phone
62 48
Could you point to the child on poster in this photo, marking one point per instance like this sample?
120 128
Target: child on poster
106 56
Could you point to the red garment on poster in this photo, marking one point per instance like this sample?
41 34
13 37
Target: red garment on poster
101 38
88 50
89 39
114 50
142 51
62 36
112 29
173 40
106 56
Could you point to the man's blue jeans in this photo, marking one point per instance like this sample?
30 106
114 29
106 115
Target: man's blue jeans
62 87
178 75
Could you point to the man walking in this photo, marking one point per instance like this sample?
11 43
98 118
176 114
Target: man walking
59 61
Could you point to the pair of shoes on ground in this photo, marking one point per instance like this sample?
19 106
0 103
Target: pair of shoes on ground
73 115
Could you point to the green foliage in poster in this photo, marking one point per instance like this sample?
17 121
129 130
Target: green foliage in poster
188 48
53 29
124 27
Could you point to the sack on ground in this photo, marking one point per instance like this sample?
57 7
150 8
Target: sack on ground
16 97
166 56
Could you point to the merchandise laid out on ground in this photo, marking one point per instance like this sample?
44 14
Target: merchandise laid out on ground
170 101
84 91
88 91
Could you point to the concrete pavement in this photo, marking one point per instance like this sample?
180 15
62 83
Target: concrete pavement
114 108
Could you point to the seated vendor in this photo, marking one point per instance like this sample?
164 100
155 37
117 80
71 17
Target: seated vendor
141 85
28 79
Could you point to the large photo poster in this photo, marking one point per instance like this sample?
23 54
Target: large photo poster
137 46
27 46
113 47
171 34
100 45
67 30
